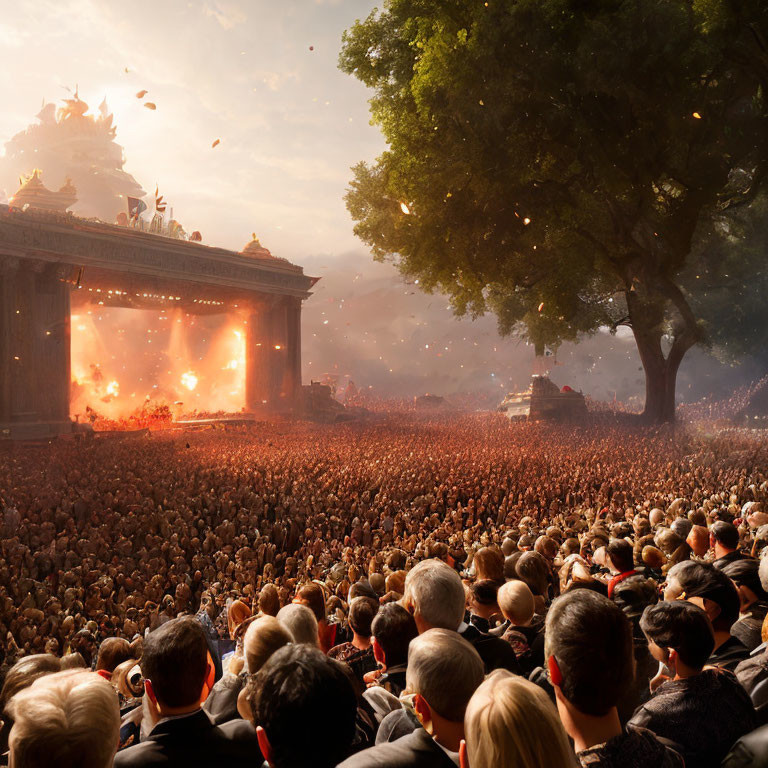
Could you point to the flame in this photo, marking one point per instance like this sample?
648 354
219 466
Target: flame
113 388
189 380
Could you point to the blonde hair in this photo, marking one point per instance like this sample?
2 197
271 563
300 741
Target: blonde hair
263 637
516 602
68 719
510 722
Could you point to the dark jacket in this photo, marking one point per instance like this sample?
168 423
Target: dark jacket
754 669
749 629
416 750
221 704
636 748
495 652
729 655
194 741
704 714
750 751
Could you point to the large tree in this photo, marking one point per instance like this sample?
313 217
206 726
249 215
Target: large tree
552 161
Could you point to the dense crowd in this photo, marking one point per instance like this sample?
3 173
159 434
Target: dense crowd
418 591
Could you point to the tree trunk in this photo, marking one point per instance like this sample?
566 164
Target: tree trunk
660 370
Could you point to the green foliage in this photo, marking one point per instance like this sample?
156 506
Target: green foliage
557 157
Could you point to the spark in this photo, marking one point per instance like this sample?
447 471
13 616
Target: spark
541 306
113 388
697 115
405 209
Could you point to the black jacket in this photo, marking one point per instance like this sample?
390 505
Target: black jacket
416 750
704 714
195 742
495 652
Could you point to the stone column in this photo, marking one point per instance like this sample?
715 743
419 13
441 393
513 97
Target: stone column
34 343
293 361
273 355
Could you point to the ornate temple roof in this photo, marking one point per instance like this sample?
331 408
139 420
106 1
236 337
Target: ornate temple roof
34 194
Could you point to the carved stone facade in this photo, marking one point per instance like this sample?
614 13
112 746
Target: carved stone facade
46 259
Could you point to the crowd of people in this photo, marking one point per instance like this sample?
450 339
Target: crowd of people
419 591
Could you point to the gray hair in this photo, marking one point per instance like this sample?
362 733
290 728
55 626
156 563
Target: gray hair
434 591
300 623
69 719
446 670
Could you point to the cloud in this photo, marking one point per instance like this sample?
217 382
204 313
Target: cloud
227 14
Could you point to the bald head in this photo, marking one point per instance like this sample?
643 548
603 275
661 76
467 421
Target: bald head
698 540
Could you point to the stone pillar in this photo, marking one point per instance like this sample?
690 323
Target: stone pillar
34 343
293 341
273 355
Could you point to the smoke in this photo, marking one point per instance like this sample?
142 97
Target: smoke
365 323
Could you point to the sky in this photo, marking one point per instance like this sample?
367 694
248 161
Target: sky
261 76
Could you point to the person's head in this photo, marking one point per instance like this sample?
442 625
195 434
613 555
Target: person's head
707 587
444 670
176 666
698 540
633 595
516 602
393 629
300 622
23 673
434 596
67 719
269 600
511 722
724 537
304 707
313 596
681 526
362 611
262 638
679 634
112 652
745 574
489 564
667 540
237 614
533 569
482 597
620 555
589 654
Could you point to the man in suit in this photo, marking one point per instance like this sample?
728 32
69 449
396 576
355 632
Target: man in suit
434 595
178 674
305 707
443 672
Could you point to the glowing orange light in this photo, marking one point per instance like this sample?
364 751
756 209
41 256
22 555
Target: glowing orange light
277 346
189 380
697 115
113 388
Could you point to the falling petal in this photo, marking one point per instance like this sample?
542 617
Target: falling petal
405 209
216 143
541 306
150 105
141 94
